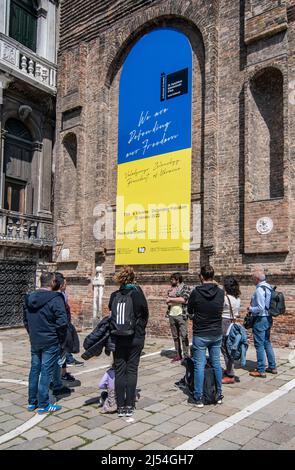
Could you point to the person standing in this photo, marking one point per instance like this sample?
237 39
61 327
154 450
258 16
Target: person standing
262 325
60 285
176 301
205 307
231 311
45 320
127 302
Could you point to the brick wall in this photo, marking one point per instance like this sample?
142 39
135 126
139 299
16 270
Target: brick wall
94 44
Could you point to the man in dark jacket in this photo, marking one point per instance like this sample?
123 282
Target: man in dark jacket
46 321
205 308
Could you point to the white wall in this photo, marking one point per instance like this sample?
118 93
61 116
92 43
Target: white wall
4 16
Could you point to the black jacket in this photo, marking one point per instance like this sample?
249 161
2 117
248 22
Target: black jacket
72 342
205 307
45 318
140 308
98 339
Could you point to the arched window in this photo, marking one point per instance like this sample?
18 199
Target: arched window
266 135
23 22
18 153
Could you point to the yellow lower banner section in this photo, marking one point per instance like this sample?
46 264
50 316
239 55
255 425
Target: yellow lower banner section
153 210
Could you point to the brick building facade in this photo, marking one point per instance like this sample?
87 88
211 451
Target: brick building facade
243 185
28 50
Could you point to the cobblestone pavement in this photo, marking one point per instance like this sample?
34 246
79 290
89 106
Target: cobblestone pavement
163 419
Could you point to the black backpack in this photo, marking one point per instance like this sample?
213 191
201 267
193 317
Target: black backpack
277 302
210 393
123 319
189 374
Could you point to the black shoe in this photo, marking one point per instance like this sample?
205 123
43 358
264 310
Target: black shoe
129 411
181 383
68 377
75 363
121 412
219 399
198 403
61 391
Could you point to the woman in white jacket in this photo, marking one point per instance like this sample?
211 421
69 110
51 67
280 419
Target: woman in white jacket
231 310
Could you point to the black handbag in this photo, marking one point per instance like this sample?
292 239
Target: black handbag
249 321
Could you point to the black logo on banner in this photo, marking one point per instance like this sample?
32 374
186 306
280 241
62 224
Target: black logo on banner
174 84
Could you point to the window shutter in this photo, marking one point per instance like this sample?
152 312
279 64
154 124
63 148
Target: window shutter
23 23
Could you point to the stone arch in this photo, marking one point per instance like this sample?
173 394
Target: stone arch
185 25
31 123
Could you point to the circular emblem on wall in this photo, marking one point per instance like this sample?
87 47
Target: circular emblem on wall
264 225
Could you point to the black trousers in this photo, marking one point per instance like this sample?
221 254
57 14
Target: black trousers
127 356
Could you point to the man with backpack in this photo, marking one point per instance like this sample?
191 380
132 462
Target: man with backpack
129 317
205 307
259 309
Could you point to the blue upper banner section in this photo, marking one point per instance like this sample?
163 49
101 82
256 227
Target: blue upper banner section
155 102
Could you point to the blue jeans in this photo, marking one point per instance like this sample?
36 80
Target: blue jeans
261 336
200 346
56 376
43 366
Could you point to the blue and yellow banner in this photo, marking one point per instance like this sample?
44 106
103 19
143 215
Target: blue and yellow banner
154 151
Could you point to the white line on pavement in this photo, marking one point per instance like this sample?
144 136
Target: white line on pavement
12 381
36 419
218 428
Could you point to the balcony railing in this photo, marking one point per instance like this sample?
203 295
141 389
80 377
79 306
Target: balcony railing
22 228
26 65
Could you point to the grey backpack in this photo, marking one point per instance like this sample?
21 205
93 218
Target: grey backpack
277 302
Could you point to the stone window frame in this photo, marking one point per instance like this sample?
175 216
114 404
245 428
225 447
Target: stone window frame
37 153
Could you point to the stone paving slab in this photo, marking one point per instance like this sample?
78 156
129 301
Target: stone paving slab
68 444
35 444
240 434
163 419
148 436
219 444
257 443
70 431
133 430
278 433
106 442
128 445
192 428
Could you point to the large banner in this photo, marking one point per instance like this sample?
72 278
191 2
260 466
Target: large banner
154 151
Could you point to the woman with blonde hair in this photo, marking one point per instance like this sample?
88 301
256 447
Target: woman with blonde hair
129 319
